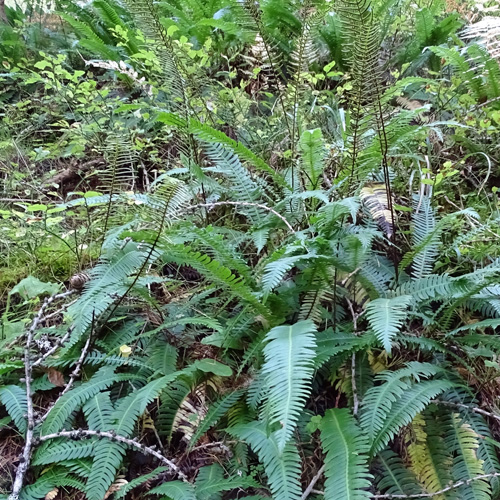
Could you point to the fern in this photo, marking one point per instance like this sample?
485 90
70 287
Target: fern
379 400
70 401
60 450
404 409
346 458
15 402
395 478
216 411
281 466
176 490
108 455
462 439
288 369
386 317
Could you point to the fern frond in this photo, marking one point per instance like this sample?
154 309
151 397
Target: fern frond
70 401
59 450
108 455
176 490
127 488
386 317
424 237
215 412
288 369
313 155
15 401
379 400
464 441
281 466
395 478
404 409
346 458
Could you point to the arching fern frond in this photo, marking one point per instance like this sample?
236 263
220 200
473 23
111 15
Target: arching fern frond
288 370
386 317
282 467
346 458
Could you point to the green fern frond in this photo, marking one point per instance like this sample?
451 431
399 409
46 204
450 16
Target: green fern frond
424 237
386 317
138 481
176 490
466 464
394 477
216 411
108 281
210 481
346 460
109 455
61 449
379 400
313 155
281 466
55 477
15 401
288 369
98 412
65 405
404 409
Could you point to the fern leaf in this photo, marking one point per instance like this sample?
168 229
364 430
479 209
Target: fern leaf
176 490
403 411
466 465
59 450
281 466
386 317
216 411
288 369
313 155
98 412
14 399
108 455
425 237
125 489
377 404
346 458
395 478
70 401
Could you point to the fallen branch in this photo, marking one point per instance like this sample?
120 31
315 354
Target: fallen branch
28 370
313 482
440 492
472 409
59 343
148 450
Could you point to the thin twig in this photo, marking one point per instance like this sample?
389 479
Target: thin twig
215 444
78 367
472 409
28 442
58 344
355 404
60 310
312 484
244 204
77 434
444 490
